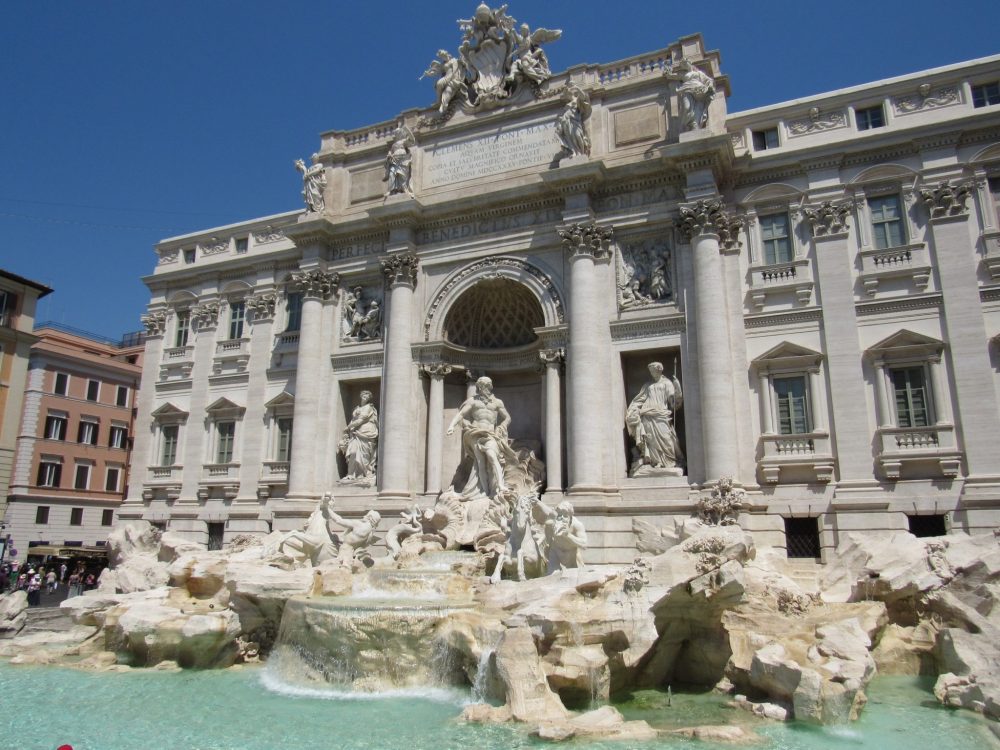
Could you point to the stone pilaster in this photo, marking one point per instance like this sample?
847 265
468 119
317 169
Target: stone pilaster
316 286
205 319
253 451
552 360
587 245
401 278
706 226
435 425
155 323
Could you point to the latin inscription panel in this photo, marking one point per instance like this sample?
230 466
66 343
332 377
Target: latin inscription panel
503 150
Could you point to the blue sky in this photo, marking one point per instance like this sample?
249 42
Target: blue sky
126 122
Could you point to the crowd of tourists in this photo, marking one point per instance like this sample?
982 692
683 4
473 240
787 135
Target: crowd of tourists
34 579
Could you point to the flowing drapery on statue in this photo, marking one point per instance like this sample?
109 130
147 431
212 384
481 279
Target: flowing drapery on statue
360 443
650 422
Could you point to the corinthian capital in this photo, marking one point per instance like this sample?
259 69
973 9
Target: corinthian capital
262 305
206 314
400 269
587 239
829 218
315 283
155 322
947 200
709 217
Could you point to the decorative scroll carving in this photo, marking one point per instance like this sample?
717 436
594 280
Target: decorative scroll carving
817 122
708 217
168 256
361 316
400 269
313 185
923 98
495 262
570 125
436 370
737 140
398 162
154 322
829 218
315 283
587 239
262 305
213 246
552 356
644 274
496 61
947 200
268 234
696 92
206 314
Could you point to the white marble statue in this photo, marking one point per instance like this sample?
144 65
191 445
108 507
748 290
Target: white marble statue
650 422
313 185
360 443
398 162
358 535
484 421
313 542
565 535
360 320
644 274
511 533
696 90
450 82
570 125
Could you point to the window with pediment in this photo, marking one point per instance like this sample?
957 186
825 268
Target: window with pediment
168 421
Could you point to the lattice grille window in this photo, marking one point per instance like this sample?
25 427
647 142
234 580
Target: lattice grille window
494 314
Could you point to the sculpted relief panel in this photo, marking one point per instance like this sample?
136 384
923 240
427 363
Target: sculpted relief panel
644 274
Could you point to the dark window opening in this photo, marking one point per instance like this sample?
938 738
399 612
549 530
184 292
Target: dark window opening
802 537
929 525
216 533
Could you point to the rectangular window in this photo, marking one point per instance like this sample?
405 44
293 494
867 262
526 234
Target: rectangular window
225 432
87 433
237 314
216 534
55 427
929 525
111 480
93 390
793 406
61 385
765 139
242 244
8 304
49 473
76 516
887 221
118 437
777 244
121 395
168 455
107 517
81 481
293 306
284 452
911 397
183 326
994 183
986 94
189 255
802 537
42 515
869 118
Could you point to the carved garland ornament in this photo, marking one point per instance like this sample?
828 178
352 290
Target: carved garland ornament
315 283
829 218
494 263
587 239
400 269
925 99
268 234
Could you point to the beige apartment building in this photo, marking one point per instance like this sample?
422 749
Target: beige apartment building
71 469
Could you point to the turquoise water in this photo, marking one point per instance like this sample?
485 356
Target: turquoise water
42 708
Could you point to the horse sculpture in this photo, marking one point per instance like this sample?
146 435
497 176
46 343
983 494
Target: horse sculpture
512 534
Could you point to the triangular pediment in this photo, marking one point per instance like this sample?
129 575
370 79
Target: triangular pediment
169 413
787 349
906 339
282 399
223 405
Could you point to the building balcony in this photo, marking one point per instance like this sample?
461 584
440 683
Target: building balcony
177 362
794 277
275 472
803 457
231 355
903 262
918 452
286 342
165 473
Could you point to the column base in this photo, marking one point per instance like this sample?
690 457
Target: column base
982 490
390 495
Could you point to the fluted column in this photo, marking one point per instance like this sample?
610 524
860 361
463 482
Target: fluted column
315 286
587 245
401 279
552 358
764 384
702 223
435 426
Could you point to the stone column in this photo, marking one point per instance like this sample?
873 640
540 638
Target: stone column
702 223
942 405
156 323
260 308
552 358
435 426
205 320
818 405
764 383
315 286
401 279
586 244
883 416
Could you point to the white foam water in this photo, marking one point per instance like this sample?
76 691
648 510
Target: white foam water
275 684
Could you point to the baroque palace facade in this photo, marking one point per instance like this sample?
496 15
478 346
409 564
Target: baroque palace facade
818 280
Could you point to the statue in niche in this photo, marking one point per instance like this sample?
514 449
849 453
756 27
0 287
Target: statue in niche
398 162
313 185
644 275
696 91
360 320
360 443
650 422
570 127
451 79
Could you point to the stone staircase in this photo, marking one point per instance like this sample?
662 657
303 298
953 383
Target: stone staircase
806 572
46 619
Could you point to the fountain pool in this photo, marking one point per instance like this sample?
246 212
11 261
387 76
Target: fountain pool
252 709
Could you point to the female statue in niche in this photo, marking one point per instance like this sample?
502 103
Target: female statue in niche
360 443
650 422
